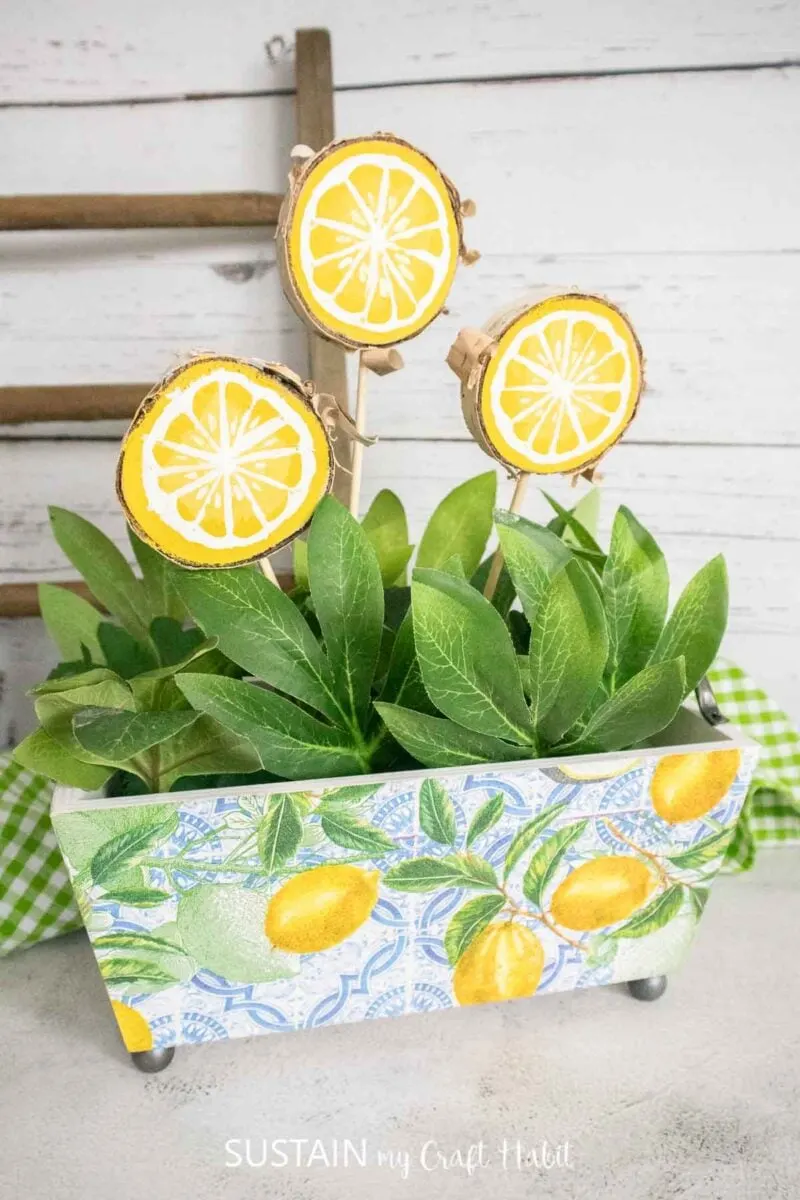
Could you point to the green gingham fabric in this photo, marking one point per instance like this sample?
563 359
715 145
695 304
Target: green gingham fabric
36 899
771 815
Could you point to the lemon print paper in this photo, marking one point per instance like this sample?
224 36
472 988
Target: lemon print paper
260 909
560 386
225 461
369 241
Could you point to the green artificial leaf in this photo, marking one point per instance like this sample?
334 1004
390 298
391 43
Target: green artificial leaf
520 630
143 897
70 620
587 511
567 520
352 794
702 853
124 654
41 753
697 622
427 874
698 898
397 602
146 975
163 599
84 679
174 644
290 743
504 593
128 940
467 660
300 564
546 861
205 748
348 599
654 915
108 576
260 628
460 525
468 922
386 526
486 817
280 832
527 834
68 670
436 742
640 709
124 850
533 555
454 567
384 654
348 831
403 683
568 651
635 594
119 737
437 817
56 711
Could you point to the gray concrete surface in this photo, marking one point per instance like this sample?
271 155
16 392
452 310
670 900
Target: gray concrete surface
696 1096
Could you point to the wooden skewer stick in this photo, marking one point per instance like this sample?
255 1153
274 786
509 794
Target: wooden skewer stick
380 362
361 425
497 562
266 567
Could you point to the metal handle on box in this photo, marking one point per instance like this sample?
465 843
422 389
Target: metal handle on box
707 703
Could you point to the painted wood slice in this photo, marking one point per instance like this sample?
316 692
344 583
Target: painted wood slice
554 385
368 241
225 461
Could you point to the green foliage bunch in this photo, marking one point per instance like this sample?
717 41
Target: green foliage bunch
355 671
111 715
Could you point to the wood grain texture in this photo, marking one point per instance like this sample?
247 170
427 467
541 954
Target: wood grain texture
674 194
138 212
21 599
695 255
315 128
91 50
79 402
555 166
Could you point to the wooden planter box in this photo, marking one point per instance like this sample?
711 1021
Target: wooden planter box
364 884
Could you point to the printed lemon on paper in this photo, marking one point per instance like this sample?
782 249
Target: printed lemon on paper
224 461
320 907
371 241
505 962
133 1028
561 387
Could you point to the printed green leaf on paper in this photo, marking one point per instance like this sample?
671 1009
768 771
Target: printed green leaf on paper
486 817
437 816
280 832
468 922
426 874
127 848
655 915
545 862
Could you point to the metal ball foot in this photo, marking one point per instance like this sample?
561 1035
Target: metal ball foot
651 988
151 1061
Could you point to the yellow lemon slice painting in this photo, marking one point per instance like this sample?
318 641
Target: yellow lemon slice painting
369 241
224 461
553 387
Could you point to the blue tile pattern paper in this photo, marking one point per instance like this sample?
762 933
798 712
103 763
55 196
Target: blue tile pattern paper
421 887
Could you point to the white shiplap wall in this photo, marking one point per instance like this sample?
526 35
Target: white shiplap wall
645 150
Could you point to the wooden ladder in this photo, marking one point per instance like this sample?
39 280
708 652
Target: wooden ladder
97 402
